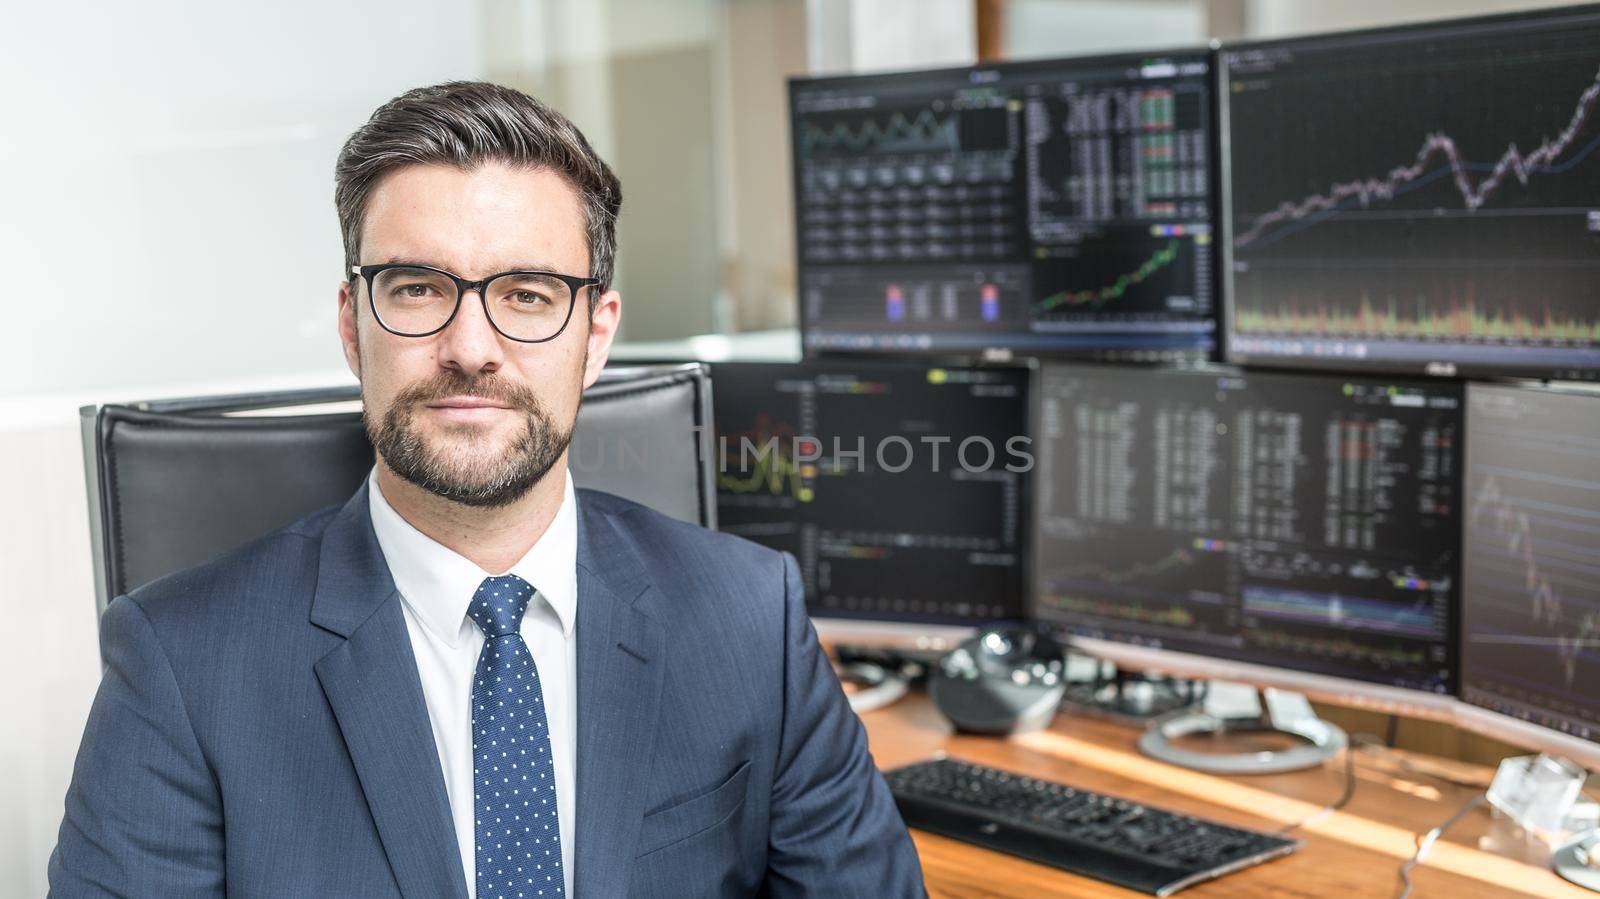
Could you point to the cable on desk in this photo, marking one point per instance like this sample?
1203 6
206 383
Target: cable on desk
1344 797
1430 837
1367 741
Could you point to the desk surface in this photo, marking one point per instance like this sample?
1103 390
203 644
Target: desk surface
1355 852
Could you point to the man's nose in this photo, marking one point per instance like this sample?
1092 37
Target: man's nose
470 341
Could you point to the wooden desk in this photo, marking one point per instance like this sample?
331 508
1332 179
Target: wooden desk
1356 852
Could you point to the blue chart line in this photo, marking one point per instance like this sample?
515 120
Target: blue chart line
1512 163
1525 640
1580 694
1131 591
1495 546
1334 610
1543 687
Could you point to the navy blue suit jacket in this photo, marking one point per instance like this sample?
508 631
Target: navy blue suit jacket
260 730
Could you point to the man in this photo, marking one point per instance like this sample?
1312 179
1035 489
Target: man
472 679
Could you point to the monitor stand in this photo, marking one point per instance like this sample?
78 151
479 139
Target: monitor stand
1240 710
1579 861
1099 687
1543 794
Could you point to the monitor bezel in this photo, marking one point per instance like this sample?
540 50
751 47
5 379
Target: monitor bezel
1343 691
999 352
1528 734
1226 300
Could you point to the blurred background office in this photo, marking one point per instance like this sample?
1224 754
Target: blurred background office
167 226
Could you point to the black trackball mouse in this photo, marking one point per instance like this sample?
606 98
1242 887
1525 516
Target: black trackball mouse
1000 681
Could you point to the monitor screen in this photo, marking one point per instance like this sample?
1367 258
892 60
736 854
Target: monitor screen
1531 576
1059 207
902 489
1419 199
1296 521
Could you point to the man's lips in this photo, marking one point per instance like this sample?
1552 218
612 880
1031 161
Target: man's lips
467 403
467 409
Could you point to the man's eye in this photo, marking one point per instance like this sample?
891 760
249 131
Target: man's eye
413 291
528 297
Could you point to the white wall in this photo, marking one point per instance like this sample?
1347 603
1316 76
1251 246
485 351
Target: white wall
1046 28
763 48
48 668
166 170
1276 18
879 35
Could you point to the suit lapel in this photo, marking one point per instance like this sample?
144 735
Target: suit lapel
620 660
372 684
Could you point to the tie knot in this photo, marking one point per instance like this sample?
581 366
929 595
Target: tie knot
499 603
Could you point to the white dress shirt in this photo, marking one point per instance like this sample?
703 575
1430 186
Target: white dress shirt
436 585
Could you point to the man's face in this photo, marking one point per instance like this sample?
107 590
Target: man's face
468 414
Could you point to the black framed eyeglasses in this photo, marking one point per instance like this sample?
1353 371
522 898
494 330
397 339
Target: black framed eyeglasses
419 300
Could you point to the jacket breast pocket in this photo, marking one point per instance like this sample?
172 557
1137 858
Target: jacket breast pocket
682 820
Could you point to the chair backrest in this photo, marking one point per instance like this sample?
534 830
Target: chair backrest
173 483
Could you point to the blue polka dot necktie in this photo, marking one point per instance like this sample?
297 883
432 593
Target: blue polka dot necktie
513 780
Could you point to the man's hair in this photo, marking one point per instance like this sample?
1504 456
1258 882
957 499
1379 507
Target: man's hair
467 124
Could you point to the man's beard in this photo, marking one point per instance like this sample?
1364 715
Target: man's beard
483 484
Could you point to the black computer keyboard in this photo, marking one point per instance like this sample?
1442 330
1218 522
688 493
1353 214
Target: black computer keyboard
1115 840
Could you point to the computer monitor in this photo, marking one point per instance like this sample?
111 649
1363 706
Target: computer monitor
1530 649
1298 531
1038 208
901 488
1416 199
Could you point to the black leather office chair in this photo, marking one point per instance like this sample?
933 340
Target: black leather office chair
173 483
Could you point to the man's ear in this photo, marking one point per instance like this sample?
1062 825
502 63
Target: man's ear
347 327
603 324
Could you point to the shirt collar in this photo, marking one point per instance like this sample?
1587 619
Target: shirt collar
437 583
